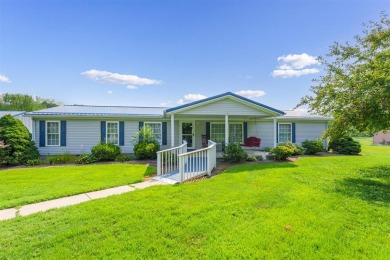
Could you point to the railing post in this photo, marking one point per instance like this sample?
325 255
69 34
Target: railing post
181 168
158 164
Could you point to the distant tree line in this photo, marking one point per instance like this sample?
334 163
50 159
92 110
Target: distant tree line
20 102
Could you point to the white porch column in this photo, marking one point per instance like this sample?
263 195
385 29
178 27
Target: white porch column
275 132
172 130
226 129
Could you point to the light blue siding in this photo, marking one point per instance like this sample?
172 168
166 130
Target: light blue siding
263 130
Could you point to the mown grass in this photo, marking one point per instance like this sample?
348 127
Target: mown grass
27 185
334 207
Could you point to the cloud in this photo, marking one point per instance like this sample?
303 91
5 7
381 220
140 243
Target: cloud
191 98
294 65
116 78
165 104
109 92
131 87
250 93
4 79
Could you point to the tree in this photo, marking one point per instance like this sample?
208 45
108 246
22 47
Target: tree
20 102
355 89
17 146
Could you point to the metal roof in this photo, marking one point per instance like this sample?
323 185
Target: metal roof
302 114
12 113
224 95
85 110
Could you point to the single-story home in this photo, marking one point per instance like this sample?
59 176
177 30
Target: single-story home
27 121
223 118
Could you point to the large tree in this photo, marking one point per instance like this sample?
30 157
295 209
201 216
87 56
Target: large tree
355 88
20 102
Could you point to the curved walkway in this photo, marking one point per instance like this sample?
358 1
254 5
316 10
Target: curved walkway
75 199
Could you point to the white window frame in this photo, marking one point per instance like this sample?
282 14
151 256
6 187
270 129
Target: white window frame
59 133
230 123
160 123
279 132
110 122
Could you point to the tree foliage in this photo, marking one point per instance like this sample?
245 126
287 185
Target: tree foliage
20 102
355 88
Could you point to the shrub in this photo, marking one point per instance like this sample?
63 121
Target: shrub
345 145
123 158
86 159
267 149
298 150
146 150
33 162
60 158
251 159
313 147
105 152
17 146
234 153
282 152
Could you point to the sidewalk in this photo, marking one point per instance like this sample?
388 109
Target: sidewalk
75 199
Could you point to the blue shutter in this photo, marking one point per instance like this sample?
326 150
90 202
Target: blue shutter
42 133
277 133
103 131
245 130
208 130
140 125
164 133
121 133
63 133
293 133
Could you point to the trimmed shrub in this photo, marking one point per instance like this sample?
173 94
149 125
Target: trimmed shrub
146 150
33 162
298 150
17 146
234 153
345 145
86 159
251 159
105 152
282 152
312 147
124 158
60 158
267 149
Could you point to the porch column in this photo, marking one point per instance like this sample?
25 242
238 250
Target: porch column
226 129
275 132
172 130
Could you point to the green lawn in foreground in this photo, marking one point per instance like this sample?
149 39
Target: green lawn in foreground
27 185
316 208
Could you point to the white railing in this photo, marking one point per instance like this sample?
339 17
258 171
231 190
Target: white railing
197 163
168 160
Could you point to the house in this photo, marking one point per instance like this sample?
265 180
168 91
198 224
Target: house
382 137
27 121
223 118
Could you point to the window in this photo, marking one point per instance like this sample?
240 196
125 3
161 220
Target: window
284 133
235 132
52 133
156 129
112 133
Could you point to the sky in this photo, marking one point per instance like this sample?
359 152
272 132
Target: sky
166 53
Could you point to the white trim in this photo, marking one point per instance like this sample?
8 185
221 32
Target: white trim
149 122
116 122
193 132
59 133
279 132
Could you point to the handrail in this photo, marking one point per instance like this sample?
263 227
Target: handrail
200 150
167 160
174 148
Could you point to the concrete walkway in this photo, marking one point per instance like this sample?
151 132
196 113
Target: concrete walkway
76 199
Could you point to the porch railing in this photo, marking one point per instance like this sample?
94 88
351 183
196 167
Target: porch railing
168 160
197 163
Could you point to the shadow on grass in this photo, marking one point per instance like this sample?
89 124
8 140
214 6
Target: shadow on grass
259 166
373 185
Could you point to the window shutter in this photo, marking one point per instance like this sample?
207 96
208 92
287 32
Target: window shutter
121 133
277 133
293 133
140 125
63 133
208 131
103 131
164 133
245 130
42 133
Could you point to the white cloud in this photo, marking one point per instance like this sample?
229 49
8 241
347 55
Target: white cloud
190 98
131 87
293 73
250 93
116 78
4 79
109 92
294 65
165 104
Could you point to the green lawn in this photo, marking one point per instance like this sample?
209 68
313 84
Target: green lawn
27 185
335 207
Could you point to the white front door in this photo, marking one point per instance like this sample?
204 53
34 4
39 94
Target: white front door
188 133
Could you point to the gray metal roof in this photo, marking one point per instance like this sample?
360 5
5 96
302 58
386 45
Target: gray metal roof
12 113
302 114
84 110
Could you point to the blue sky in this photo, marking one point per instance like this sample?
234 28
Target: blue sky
152 53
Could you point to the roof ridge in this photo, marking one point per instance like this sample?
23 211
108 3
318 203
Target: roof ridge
77 105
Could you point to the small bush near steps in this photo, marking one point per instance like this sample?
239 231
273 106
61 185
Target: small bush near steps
234 153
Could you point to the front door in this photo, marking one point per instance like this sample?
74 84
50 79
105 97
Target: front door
188 134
